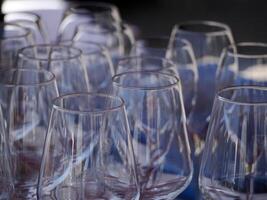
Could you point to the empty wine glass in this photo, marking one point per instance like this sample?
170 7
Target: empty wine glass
181 53
12 38
63 61
234 159
98 65
88 152
243 64
208 39
25 98
158 127
151 63
107 35
31 21
81 12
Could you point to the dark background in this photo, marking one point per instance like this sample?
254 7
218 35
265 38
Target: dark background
247 18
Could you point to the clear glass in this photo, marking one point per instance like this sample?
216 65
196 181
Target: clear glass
12 38
117 41
234 160
31 21
158 128
88 151
98 65
243 64
25 98
181 53
6 178
63 61
81 12
208 39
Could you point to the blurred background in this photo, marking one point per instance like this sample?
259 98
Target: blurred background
247 18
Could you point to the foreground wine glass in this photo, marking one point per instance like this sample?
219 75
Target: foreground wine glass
157 123
12 38
31 21
82 12
63 61
98 65
208 39
243 64
234 160
25 98
88 152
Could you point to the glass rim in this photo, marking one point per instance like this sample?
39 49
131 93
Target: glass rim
155 88
146 57
231 48
34 16
100 48
37 84
108 6
77 52
26 31
222 98
87 94
224 28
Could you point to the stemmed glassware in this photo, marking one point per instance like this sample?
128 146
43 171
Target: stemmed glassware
12 38
182 56
31 21
25 98
64 61
82 12
157 120
98 65
243 64
88 151
208 39
234 160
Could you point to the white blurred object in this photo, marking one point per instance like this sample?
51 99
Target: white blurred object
50 11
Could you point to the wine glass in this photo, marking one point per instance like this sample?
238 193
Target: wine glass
63 61
234 159
31 21
88 152
81 12
12 38
157 120
98 65
181 54
117 41
208 39
25 98
243 64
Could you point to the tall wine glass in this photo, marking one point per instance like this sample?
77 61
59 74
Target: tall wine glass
234 160
88 152
98 65
31 21
181 54
12 38
64 61
157 123
243 64
25 98
82 12
208 39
